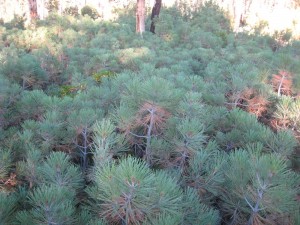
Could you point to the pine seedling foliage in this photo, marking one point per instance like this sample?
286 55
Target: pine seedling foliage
165 219
232 206
144 112
154 89
9 94
239 129
190 71
188 139
161 150
241 77
85 217
5 165
8 206
287 113
28 168
283 142
97 222
195 212
168 194
28 140
192 105
33 104
131 193
51 204
50 130
58 170
205 174
107 143
26 71
259 188
80 127
191 132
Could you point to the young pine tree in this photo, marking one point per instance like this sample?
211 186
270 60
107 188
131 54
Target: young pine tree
51 204
259 188
58 170
8 206
131 193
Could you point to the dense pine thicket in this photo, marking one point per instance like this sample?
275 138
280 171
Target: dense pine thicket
193 125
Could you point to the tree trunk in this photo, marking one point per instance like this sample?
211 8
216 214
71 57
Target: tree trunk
155 13
33 9
237 12
140 16
41 8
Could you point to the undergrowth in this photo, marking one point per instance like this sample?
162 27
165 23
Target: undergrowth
193 125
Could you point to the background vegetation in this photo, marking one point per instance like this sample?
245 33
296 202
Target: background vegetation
196 124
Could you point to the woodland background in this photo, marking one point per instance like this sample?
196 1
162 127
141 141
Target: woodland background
279 15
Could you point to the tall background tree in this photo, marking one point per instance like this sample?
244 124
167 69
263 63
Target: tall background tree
140 16
155 14
33 9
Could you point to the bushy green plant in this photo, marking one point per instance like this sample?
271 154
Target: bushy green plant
107 143
8 206
5 165
50 204
17 22
28 168
58 170
90 11
131 192
9 95
160 124
26 71
259 188
197 212
72 11
205 173
52 5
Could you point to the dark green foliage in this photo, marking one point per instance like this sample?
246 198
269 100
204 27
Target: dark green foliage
206 173
7 208
17 22
131 193
72 11
196 212
90 11
25 71
29 167
50 205
5 163
57 170
9 95
107 144
257 186
52 5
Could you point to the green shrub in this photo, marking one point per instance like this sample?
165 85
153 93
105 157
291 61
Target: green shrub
17 22
90 11
95 119
52 5
72 11
50 205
